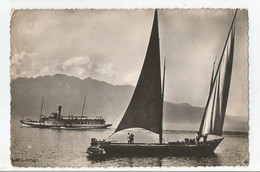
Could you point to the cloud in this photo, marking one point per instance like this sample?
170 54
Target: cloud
80 66
48 69
84 66
22 64
76 62
27 65
131 77
107 69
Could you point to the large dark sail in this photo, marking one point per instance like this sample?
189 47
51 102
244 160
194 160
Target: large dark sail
145 108
215 110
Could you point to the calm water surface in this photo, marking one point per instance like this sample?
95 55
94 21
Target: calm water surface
33 147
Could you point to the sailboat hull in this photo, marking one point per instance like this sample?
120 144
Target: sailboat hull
142 149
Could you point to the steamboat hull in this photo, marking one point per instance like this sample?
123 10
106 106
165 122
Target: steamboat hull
84 127
142 149
34 124
65 127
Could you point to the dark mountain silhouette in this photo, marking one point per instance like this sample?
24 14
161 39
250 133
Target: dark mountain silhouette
102 99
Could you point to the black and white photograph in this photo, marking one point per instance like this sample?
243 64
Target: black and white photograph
129 87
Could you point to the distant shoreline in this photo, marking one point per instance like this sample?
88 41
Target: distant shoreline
224 132
169 131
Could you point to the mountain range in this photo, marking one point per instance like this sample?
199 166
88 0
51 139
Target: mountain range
102 99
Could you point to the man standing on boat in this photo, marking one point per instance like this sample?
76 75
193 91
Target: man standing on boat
205 138
129 138
197 138
132 137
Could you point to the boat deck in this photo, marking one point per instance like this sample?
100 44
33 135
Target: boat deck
147 149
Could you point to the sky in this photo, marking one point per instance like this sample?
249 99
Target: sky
110 45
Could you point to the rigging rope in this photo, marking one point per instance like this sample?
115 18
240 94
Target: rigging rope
110 135
114 119
112 123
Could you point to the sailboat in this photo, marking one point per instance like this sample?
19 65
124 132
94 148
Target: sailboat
145 109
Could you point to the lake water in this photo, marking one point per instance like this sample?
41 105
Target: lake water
33 147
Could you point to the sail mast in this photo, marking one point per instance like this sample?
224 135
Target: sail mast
164 68
212 75
216 74
42 105
83 107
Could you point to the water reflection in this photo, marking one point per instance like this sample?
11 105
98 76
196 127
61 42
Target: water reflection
211 160
152 161
32 147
